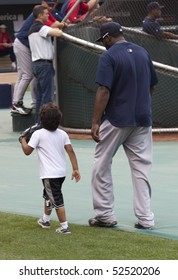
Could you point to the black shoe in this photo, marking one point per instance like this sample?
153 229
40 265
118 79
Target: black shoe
95 222
139 226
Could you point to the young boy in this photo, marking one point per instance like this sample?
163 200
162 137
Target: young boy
51 143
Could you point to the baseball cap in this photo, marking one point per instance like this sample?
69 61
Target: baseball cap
109 28
51 1
154 6
3 26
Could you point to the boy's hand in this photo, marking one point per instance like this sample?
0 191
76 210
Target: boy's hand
76 175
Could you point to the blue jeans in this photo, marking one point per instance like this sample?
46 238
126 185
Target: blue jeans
44 73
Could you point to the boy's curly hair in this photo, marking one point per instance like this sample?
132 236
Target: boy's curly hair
50 116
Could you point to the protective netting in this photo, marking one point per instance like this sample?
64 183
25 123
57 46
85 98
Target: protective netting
77 61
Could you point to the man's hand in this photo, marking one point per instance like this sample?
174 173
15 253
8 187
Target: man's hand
101 101
95 132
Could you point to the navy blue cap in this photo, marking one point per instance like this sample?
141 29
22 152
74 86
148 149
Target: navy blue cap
154 6
109 28
51 1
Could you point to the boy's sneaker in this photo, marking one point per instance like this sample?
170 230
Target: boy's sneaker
20 109
43 224
63 230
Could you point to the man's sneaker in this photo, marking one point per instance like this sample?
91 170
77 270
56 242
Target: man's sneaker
95 222
20 109
63 230
139 226
43 224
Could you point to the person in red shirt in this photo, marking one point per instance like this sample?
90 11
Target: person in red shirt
81 10
52 22
6 47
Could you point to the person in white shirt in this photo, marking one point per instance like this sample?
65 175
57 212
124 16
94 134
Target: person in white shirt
51 143
42 52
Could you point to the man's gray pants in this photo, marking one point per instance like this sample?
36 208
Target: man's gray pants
25 76
137 144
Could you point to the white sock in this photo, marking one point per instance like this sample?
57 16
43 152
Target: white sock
64 225
46 218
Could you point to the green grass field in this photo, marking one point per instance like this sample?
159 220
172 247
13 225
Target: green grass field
22 239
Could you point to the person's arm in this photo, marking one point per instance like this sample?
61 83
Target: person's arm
169 35
52 22
154 28
92 4
73 159
58 24
25 147
7 45
101 100
55 32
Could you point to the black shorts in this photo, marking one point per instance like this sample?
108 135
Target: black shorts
52 192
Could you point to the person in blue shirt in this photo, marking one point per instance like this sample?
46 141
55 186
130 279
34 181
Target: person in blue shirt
56 12
151 23
122 116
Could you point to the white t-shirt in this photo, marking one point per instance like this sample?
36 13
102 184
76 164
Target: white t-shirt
50 147
41 45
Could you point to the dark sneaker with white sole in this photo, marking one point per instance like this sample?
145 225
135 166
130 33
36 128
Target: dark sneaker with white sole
139 226
63 230
95 222
43 224
19 108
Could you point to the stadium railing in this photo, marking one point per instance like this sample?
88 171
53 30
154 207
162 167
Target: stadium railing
76 62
